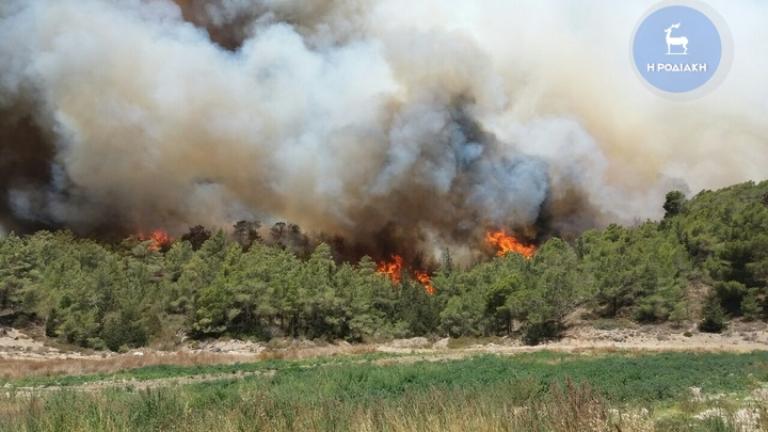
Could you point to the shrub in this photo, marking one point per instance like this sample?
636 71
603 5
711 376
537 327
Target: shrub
123 329
714 317
750 306
535 333
679 314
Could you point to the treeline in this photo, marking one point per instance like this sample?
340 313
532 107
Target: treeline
214 284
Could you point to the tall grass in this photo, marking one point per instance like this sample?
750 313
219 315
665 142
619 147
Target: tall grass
567 408
537 392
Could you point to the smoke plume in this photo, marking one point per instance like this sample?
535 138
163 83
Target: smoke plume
389 123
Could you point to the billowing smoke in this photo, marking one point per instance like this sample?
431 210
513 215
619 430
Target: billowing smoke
389 123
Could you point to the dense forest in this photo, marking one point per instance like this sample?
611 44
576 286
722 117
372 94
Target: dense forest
208 284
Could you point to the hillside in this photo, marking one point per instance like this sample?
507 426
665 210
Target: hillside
148 290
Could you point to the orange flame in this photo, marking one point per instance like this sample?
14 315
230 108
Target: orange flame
159 240
392 269
506 244
426 281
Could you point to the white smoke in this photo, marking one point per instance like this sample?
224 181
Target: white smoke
351 116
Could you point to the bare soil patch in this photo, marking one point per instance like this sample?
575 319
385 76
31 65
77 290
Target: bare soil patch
23 356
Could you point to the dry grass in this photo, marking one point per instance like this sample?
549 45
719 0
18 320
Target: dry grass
301 353
28 367
22 368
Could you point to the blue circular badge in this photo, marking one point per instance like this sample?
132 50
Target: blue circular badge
678 49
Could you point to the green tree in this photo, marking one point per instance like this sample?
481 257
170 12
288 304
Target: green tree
674 204
552 290
714 320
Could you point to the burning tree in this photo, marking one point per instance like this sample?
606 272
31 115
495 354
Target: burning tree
157 241
394 268
506 244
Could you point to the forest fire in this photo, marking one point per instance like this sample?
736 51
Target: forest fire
160 240
393 270
426 281
506 244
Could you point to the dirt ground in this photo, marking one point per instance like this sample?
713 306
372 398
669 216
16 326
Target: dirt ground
23 355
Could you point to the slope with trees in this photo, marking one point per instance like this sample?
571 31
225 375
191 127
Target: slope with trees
210 284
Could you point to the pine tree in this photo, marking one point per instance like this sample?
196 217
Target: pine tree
714 320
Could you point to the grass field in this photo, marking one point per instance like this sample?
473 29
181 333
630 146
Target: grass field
529 392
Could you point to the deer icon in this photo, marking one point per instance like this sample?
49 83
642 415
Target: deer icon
676 41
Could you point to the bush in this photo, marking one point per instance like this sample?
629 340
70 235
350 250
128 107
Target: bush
123 329
652 309
679 314
536 333
714 317
750 306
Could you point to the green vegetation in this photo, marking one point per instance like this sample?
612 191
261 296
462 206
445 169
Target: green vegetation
208 285
530 392
156 372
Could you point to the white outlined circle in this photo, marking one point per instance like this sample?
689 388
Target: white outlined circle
726 58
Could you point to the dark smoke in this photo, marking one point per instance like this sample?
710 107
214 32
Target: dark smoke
376 130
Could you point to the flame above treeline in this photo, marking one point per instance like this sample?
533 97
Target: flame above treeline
503 243
395 267
506 244
159 240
